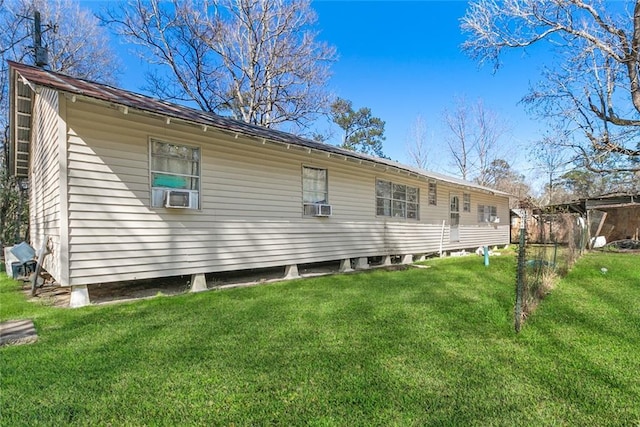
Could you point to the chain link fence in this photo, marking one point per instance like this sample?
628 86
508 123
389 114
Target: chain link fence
549 243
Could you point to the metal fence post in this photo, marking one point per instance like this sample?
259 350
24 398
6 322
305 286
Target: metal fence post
520 273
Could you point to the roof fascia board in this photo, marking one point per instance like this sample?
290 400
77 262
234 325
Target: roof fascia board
26 82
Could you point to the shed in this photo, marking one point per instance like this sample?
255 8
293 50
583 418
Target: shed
123 187
614 216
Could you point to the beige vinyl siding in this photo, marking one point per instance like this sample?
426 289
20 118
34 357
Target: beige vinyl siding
474 234
44 182
251 204
471 234
435 214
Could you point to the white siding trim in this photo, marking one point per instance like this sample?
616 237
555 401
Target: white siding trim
64 191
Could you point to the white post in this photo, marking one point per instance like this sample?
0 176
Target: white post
442 236
386 260
407 259
291 272
345 265
79 296
362 263
198 283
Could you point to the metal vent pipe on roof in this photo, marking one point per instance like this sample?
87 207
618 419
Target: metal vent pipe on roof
40 52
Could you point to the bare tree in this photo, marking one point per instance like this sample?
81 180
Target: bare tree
73 37
257 60
551 159
592 87
75 41
460 141
475 132
489 129
76 45
417 144
569 179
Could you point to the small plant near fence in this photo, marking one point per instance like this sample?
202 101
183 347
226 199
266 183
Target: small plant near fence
549 244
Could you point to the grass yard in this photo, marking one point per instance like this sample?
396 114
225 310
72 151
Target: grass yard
417 347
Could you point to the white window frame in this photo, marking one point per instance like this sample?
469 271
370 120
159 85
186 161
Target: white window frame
487 213
155 190
397 204
466 202
307 203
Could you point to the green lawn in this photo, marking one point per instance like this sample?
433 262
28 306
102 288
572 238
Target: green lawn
417 347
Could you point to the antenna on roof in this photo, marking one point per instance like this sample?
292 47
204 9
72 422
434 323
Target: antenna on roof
40 52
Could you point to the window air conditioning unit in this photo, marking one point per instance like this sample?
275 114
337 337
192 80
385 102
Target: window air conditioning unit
177 199
317 209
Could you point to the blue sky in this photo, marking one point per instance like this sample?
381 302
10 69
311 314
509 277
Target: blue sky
403 59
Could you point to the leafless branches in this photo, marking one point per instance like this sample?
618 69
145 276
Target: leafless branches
418 145
76 45
75 42
594 85
474 133
257 60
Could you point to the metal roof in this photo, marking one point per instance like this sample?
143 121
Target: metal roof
136 101
604 202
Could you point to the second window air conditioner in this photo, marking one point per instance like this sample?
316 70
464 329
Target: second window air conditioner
317 209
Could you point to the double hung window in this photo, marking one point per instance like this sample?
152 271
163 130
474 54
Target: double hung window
315 189
175 175
487 213
433 194
466 202
397 200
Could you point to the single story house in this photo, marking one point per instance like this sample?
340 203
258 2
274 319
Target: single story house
124 187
